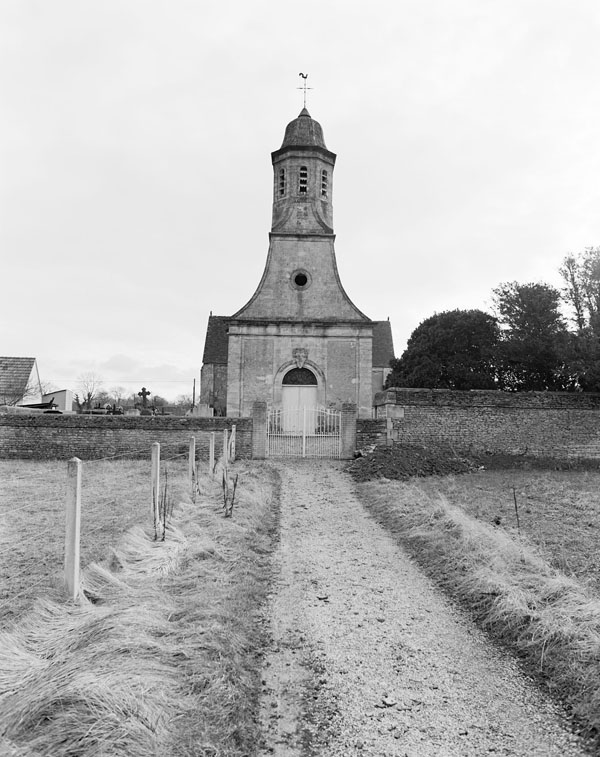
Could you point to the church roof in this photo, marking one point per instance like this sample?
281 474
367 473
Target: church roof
383 344
215 346
303 131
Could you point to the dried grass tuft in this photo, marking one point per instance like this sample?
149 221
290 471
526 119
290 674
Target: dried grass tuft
159 657
550 619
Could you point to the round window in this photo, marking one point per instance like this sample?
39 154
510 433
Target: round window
300 279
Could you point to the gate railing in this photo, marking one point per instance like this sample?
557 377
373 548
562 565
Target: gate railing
303 432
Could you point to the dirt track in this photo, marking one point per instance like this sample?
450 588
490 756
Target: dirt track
369 658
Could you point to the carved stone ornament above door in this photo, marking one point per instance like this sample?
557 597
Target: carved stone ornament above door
300 356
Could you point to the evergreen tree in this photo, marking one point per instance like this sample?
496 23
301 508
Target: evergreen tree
451 350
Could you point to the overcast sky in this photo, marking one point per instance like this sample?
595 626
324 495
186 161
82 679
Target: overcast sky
136 180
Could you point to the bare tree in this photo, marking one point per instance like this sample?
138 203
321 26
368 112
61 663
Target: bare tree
89 386
48 387
16 393
183 401
118 394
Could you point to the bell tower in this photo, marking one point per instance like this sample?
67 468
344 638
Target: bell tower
302 180
301 280
299 339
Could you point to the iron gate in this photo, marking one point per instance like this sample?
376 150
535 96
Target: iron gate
303 432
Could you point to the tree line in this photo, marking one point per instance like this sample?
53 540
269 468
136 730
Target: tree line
538 338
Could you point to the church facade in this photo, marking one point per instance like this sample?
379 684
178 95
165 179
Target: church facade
300 340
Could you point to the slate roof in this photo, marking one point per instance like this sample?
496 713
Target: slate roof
14 378
303 131
215 346
383 344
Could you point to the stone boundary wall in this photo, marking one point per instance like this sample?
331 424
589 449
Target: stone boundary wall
542 424
60 437
370 432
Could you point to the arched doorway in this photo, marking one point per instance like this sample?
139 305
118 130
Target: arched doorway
298 391
300 428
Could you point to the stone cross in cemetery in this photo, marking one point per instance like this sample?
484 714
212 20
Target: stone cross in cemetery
144 394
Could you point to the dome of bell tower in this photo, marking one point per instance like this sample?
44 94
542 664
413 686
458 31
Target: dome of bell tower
303 131
303 180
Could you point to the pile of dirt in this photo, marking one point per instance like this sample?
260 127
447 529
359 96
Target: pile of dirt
405 460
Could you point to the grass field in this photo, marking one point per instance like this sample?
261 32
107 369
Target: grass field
115 496
559 512
164 656
535 590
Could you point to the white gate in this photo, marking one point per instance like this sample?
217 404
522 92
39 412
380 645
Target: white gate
303 432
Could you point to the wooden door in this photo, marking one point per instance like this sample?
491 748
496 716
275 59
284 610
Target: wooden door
294 400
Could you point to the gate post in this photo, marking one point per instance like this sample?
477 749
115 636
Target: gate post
259 430
348 431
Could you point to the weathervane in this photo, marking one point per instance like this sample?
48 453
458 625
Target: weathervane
304 87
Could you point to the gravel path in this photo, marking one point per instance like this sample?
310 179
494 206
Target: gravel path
369 658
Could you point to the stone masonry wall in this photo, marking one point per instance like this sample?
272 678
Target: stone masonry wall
260 354
51 437
553 424
543 424
369 431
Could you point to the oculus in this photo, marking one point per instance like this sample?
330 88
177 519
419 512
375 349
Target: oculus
300 279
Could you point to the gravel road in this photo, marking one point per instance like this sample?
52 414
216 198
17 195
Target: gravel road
369 658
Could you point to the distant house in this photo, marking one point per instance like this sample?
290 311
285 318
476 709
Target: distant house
19 381
61 400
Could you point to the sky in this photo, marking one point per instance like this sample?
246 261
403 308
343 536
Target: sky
136 178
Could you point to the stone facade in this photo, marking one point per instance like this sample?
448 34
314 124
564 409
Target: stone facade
213 387
299 316
261 354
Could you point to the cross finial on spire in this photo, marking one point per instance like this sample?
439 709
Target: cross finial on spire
304 87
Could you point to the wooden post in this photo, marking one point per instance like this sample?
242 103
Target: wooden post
232 445
73 527
211 454
156 486
192 461
225 460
